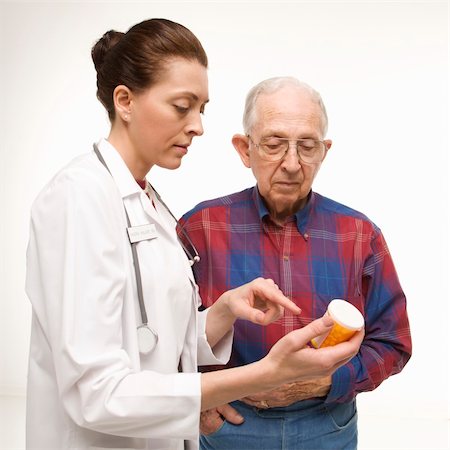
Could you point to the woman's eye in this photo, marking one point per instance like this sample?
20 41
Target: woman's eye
181 109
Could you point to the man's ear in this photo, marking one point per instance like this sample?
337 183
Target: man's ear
328 143
242 143
122 97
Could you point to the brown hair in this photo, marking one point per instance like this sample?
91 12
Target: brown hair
137 58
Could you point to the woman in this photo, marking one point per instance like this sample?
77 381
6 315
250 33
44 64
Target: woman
101 373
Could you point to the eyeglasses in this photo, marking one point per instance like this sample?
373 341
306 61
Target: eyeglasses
273 149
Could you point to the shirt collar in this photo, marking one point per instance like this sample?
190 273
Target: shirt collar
301 216
122 176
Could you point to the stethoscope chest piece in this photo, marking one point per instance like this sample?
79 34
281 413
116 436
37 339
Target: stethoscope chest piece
147 339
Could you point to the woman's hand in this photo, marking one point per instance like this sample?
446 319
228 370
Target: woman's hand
260 301
289 360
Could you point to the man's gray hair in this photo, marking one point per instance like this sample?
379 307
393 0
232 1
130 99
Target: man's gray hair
272 85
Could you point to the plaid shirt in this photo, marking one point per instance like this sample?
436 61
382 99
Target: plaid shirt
325 251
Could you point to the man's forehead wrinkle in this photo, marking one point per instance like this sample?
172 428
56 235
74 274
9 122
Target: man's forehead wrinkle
270 117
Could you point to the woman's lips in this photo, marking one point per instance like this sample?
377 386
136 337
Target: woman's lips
182 148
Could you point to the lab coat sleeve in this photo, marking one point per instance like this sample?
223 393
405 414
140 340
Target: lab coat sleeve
76 283
220 353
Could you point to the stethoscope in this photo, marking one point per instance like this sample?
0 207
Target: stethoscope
147 336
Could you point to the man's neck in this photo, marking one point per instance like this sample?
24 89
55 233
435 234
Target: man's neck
281 217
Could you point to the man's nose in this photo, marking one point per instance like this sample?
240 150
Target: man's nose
291 160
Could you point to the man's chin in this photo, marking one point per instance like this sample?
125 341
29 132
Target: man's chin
285 206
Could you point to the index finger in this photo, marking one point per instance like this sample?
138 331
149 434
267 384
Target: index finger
272 293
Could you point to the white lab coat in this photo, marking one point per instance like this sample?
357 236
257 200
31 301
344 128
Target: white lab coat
88 385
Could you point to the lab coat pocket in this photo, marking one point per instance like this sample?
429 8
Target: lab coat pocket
116 448
113 447
119 443
153 444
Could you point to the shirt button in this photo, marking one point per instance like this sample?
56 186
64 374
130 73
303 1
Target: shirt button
286 257
306 235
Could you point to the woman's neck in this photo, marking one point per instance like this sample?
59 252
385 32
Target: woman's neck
120 140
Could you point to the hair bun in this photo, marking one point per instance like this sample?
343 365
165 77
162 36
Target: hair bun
103 45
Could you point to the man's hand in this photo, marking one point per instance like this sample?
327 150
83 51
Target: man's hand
287 394
212 419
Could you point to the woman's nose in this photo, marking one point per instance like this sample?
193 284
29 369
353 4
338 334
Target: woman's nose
195 125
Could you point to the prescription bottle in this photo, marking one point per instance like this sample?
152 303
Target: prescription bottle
347 321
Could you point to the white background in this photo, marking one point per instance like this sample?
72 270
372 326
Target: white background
382 69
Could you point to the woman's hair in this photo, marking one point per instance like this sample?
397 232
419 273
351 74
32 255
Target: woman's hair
272 85
137 58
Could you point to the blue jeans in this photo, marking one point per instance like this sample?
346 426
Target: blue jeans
306 425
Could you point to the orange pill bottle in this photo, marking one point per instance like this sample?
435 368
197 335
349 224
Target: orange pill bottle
347 321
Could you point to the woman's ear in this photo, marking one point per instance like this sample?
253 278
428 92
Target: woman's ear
122 96
242 145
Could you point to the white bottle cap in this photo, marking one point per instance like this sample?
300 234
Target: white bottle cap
345 314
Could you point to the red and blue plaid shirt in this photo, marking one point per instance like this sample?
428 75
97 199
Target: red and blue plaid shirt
325 251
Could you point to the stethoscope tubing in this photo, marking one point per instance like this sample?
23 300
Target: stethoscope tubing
192 259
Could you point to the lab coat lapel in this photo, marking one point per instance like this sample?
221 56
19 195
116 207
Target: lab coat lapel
126 184
131 192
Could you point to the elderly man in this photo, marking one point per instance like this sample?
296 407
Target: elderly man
316 250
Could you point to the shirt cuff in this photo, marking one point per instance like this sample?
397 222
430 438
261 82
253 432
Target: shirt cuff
341 386
221 352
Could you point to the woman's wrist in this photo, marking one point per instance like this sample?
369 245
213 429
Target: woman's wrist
223 386
269 372
224 310
220 319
